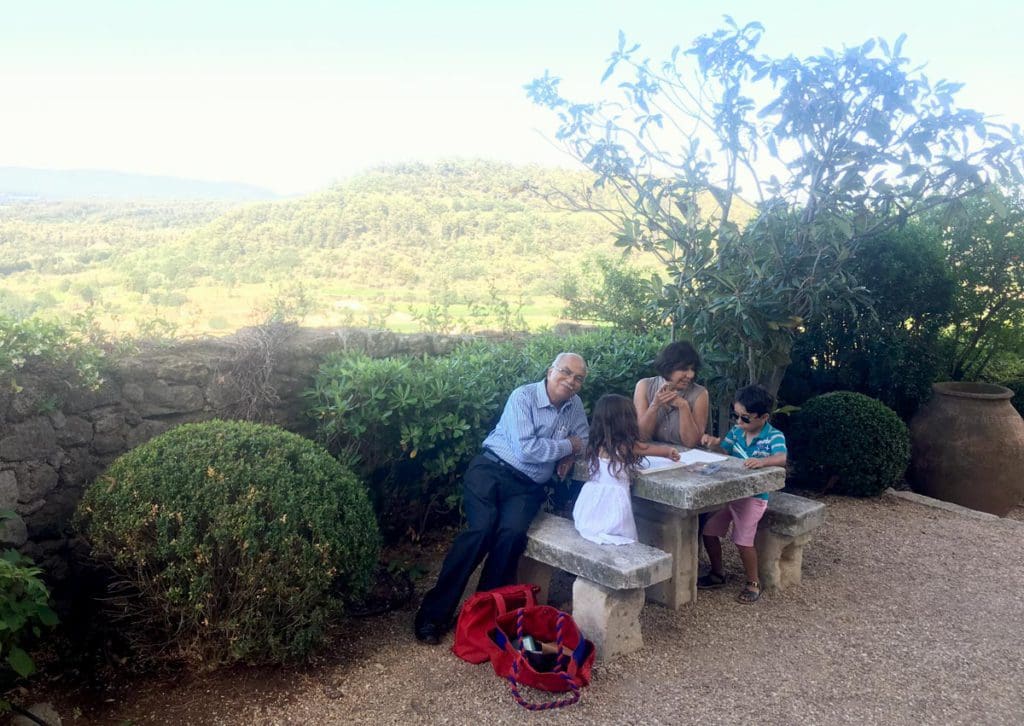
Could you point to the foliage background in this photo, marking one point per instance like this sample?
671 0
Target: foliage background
411 425
892 351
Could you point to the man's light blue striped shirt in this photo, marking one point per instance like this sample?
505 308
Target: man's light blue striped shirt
533 434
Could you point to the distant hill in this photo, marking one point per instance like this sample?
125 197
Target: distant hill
457 245
18 183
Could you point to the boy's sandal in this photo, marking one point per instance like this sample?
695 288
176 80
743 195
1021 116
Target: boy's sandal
751 592
710 581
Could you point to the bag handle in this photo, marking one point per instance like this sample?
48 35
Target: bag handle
500 601
513 680
519 657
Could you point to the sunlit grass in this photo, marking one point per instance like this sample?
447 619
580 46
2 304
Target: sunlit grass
213 309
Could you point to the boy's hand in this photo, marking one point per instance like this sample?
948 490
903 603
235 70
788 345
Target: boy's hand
753 463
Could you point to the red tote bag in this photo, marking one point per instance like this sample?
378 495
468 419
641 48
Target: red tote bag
566 668
479 614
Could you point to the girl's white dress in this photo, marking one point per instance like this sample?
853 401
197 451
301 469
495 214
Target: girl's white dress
603 511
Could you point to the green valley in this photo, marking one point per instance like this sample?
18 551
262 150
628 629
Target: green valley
451 246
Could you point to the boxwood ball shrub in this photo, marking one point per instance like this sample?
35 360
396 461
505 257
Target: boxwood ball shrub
848 443
242 541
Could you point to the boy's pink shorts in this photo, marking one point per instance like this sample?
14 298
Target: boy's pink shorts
744 515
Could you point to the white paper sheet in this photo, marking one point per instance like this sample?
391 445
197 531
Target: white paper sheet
691 456
699 456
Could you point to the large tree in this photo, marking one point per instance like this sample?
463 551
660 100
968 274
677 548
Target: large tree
984 242
754 178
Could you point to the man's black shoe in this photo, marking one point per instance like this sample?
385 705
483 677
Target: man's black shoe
428 633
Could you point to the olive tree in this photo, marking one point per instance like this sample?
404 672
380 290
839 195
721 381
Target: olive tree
753 178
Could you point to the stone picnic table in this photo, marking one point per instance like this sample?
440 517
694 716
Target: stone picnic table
667 504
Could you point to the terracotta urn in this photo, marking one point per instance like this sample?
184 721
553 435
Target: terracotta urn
968 447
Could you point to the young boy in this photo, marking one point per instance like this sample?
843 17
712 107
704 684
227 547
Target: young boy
759 444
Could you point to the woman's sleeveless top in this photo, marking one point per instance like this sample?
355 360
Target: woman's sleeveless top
667 427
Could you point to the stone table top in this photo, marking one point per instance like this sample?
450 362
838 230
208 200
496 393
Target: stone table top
688 489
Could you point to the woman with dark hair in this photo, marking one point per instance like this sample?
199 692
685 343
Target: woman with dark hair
671 407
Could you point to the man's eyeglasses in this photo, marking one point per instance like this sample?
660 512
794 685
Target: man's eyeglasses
745 418
576 378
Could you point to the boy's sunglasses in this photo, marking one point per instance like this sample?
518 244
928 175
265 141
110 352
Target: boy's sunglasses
745 418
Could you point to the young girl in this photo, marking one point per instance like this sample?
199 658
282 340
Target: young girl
603 511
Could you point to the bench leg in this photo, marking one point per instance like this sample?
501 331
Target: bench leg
536 573
610 618
779 559
676 533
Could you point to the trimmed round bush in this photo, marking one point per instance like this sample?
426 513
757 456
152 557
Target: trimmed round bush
848 443
240 541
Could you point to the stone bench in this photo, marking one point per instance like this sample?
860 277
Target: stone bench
608 593
787 525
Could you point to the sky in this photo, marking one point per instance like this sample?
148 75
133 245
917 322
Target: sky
295 95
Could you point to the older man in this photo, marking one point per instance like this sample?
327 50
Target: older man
543 427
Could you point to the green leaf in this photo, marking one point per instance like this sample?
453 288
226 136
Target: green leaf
998 203
46 616
20 661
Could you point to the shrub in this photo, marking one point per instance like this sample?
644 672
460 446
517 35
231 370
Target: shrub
1017 386
893 352
242 541
408 424
848 443
411 425
74 343
24 607
615 359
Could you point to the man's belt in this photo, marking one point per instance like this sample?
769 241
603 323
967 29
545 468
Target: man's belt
491 456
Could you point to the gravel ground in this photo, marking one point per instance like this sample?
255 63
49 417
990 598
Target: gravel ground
906 615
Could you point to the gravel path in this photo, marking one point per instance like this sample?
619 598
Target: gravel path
907 615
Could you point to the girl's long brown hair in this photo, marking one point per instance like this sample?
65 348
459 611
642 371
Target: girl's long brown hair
614 431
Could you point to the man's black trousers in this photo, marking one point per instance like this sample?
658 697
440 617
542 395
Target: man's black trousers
500 503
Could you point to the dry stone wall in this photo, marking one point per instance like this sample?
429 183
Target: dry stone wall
57 437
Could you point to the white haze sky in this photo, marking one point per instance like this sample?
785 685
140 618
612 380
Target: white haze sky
292 95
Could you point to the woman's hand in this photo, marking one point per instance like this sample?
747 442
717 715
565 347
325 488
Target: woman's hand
667 397
709 440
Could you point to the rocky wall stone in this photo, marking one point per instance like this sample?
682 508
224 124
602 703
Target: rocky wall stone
160 398
36 392
85 399
8 490
32 438
73 431
80 467
13 532
35 480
